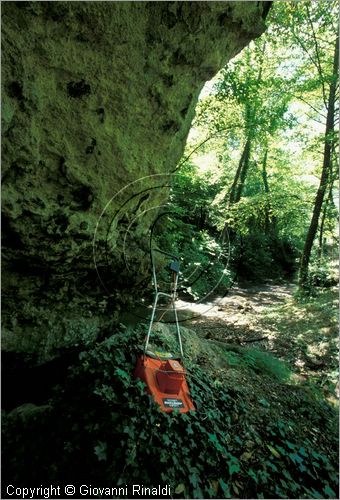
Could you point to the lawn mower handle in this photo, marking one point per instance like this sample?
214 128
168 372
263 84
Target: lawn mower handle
157 294
165 253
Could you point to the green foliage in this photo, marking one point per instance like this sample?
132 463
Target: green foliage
306 334
266 364
272 96
239 443
188 230
259 362
322 274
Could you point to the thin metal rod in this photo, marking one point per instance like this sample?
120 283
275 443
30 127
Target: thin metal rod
178 330
175 312
172 302
154 272
151 322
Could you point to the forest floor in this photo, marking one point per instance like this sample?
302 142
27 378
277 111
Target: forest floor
256 432
302 333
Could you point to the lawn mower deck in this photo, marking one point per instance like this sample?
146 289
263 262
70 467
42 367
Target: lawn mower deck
165 381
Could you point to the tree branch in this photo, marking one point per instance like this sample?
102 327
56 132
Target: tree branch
317 56
315 63
202 144
308 104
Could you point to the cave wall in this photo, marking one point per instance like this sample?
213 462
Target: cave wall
94 96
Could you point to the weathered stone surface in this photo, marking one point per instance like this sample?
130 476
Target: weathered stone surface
95 96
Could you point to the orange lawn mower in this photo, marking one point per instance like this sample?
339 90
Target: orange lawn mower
163 372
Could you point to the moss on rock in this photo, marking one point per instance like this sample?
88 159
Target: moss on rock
95 96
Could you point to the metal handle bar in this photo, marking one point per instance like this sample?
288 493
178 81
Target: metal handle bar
157 294
165 253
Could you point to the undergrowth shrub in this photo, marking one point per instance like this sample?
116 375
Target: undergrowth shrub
259 256
320 275
260 362
103 429
203 265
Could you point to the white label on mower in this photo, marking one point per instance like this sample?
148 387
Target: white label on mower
173 403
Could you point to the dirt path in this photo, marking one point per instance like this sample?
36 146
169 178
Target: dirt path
304 334
266 317
236 317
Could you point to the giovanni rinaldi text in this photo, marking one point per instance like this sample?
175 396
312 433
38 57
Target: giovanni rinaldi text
70 490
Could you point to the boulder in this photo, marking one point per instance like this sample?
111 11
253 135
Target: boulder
98 98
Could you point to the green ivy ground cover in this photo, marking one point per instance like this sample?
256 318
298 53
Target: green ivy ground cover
254 434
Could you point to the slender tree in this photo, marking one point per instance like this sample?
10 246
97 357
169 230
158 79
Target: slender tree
326 169
323 220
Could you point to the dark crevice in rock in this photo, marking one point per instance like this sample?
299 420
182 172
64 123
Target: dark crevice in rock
168 80
83 196
62 165
78 89
101 113
15 90
224 19
169 19
90 149
61 221
171 126
23 380
10 237
179 58
185 110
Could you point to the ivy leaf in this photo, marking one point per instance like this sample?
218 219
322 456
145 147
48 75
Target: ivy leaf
287 475
197 493
235 488
246 455
189 429
264 402
234 466
302 452
213 438
100 450
224 486
272 467
166 439
329 492
295 458
302 468
252 474
273 451
179 488
194 479
129 430
214 485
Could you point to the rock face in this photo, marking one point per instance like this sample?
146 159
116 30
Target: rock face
95 96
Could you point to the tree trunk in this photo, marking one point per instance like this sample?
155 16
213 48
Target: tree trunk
234 196
270 222
238 176
326 168
243 171
323 218
267 224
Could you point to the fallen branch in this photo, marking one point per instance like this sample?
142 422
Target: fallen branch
254 340
236 342
231 347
